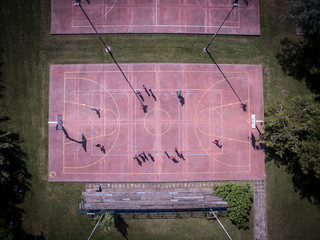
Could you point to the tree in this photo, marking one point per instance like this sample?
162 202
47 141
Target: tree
5 148
11 156
13 186
239 198
307 15
292 134
301 59
6 233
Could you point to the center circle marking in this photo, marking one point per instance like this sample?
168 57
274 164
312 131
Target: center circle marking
165 118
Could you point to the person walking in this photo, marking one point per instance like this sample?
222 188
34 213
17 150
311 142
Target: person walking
179 93
139 94
217 142
146 90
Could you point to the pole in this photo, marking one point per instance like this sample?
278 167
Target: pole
95 226
242 104
234 5
221 224
144 107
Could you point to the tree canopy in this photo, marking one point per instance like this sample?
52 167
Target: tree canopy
239 198
301 59
307 15
292 134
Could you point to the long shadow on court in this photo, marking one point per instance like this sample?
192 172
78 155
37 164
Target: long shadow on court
143 106
244 106
83 142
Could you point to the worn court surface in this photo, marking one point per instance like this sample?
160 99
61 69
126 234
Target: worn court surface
211 111
155 16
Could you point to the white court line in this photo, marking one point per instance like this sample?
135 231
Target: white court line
187 26
53 122
156 7
91 123
156 12
202 154
158 90
106 13
204 11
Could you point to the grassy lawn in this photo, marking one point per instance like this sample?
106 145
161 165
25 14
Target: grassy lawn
50 208
186 228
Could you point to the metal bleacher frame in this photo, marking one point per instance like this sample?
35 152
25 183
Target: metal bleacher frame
153 214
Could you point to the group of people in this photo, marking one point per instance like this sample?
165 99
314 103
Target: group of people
142 156
148 91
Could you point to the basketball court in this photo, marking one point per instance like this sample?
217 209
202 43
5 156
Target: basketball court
155 16
211 110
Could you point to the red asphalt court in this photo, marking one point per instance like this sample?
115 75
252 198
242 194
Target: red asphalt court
211 111
155 16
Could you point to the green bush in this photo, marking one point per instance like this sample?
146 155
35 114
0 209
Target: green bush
106 221
239 198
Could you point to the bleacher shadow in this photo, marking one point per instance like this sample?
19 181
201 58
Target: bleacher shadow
121 225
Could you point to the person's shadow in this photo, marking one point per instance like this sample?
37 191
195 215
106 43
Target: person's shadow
142 98
175 160
139 162
103 149
154 97
182 101
152 158
98 113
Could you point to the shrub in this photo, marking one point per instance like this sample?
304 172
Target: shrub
239 198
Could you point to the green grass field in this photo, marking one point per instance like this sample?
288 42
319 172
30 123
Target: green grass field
50 208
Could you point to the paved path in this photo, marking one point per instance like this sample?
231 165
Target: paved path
260 226
133 186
